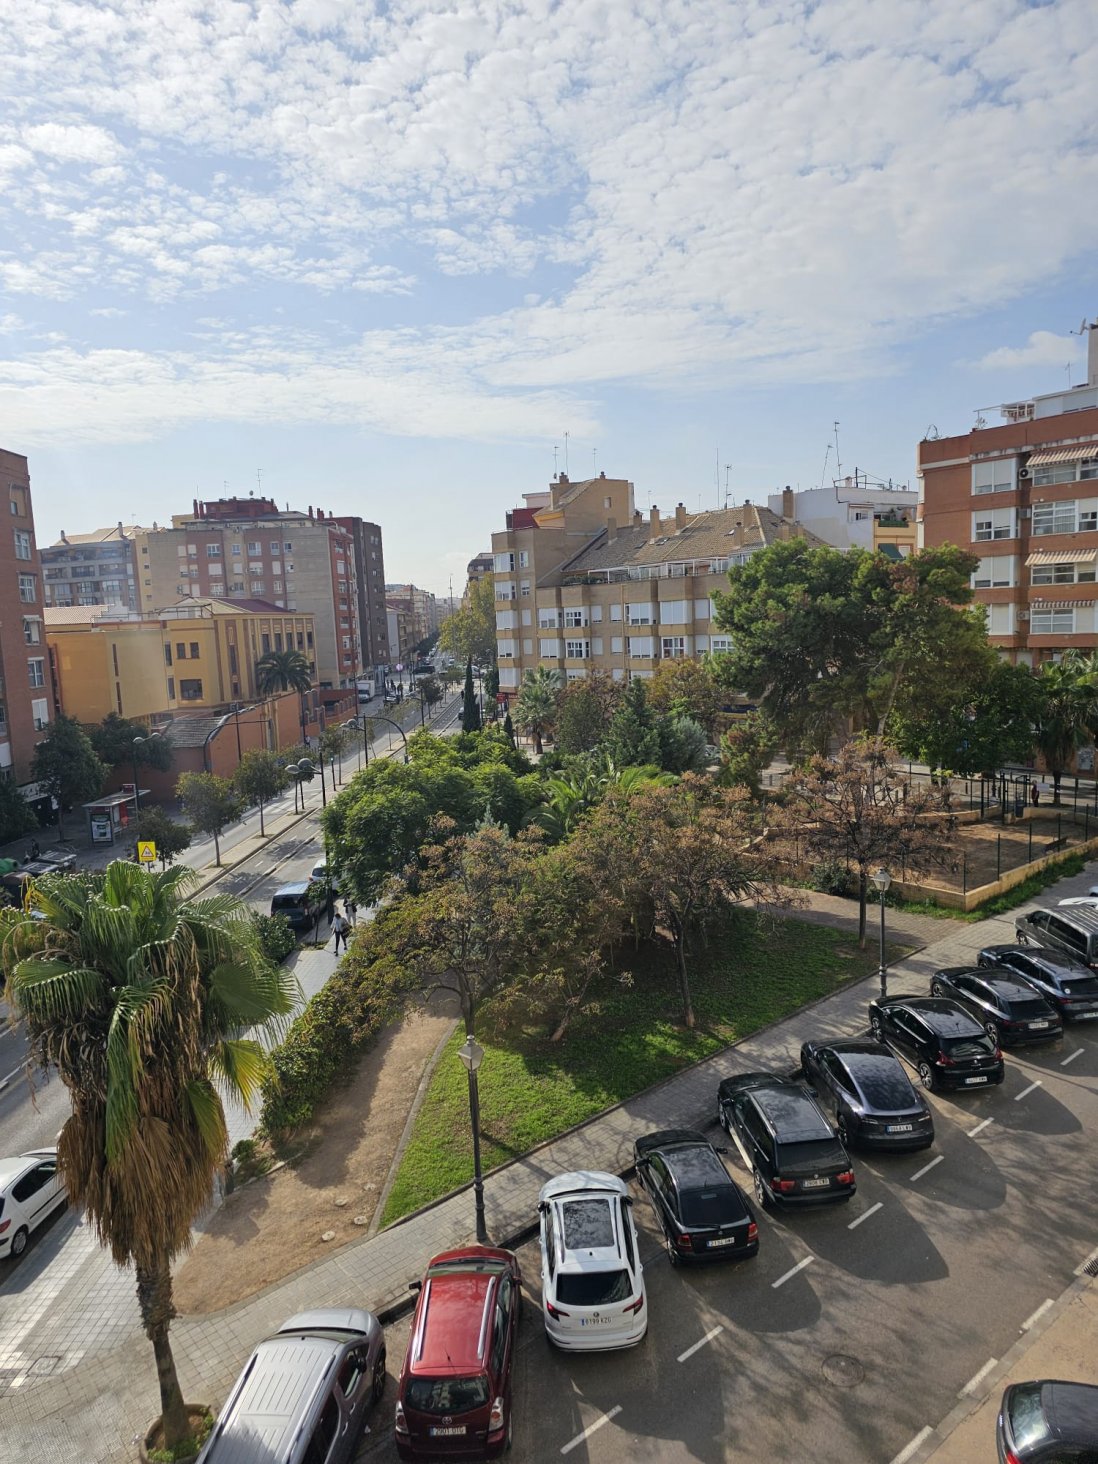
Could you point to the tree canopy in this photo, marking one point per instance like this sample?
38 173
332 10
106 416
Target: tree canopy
210 803
66 764
287 670
119 741
470 632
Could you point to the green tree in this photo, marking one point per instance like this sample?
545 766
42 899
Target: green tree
536 703
116 743
139 997
1064 718
259 777
66 765
430 691
683 748
987 724
633 739
585 709
470 633
170 838
470 707
287 670
16 815
746 750
210 803
688 687
509 728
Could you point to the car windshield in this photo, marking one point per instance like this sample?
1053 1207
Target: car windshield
968 1046
1080 986
717 1206
446 1395
1027 1417
588 1224
1023 1010
592 1288
816 1153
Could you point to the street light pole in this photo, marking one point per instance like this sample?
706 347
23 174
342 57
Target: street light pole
882 879
472 1055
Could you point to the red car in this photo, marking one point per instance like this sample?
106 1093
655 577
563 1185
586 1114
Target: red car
454 1394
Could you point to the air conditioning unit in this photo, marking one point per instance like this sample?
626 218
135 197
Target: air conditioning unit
1023 473
1023 614
1025 513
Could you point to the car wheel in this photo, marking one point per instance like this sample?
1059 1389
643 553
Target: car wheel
992 1031
760 1189
379 1376
936 989
672 1254
510 1433
843 1129
19 1241
926 1076
876 1028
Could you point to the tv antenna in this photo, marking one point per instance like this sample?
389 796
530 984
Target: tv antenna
566 435
727 470
838 459
823 470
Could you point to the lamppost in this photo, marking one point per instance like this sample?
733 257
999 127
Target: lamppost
133 752
472 1055
362 724
882 879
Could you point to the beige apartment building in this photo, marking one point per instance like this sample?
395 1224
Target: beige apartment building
585 582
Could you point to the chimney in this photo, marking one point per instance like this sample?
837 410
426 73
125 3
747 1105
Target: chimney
788 503
680 517
653 523
1092 354
194 506
310 510
611 529
638 518
603 473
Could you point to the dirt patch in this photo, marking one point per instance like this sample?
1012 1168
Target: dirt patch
273 1226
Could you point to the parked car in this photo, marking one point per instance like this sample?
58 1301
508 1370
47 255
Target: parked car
793 1154
946 1047
302 902
1048 1421
30 1191
1074 931
872 1098
702 1211
1009 1011
304 1393
454 1395
592 1280
1064 981
1086 901
319 872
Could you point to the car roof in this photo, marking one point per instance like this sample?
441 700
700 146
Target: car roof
580 1183
785 1106
295 887
943 1015
1080 915
1042 956
691 1159
1003 983
265 1415
11 1168
1071 1409
451 1330
349 1320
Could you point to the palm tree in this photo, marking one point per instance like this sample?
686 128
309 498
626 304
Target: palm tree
536 703
1067 711
141 997
283 671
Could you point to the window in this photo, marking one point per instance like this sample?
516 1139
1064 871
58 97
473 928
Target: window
32 632
524 559
504 563
258 587
1052 622
993 477
577 650
524 588
213 551
1062 574
276 547
573 618
40 711
289 548
180 650
1054 518
28 589
254 546
22 544
171 688
720 643
190 690
323 1435
192 551
37 670
194 651
1044 477
255 566
640 614
994 523
673 647
266 642
350 1374
549 648
994 572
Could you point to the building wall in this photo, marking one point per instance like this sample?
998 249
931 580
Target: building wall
847 514
93 572
369 555
25 695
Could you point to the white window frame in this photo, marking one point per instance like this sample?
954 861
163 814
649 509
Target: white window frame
1054 518
998 476
992 525
1051 622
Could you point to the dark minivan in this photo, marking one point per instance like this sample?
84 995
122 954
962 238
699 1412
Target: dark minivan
1064 981
947 1047
873 1099
302 902
793 1153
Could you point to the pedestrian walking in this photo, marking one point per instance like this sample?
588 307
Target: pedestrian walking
1035 795
351 911
340 927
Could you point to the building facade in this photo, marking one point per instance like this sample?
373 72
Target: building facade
855 513
373 621
1023 496
418 611
25 701
99 568
584 582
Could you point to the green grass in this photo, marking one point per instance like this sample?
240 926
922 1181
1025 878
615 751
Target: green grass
750 974
999 904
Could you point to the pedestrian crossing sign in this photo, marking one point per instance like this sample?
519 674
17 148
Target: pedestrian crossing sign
146 851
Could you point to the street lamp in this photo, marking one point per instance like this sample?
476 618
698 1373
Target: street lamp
133 752
472 1055
882 879
362 724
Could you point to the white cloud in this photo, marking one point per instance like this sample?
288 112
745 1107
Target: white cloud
83 143
1042 349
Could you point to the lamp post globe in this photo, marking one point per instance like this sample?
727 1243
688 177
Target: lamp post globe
882 879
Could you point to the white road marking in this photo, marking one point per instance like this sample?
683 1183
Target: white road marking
1029 1321
1026 1091
926 1168
974 1382
790 1274
1088 1261
905 1454
23 1067
1072 1056
871 1211
716 1332
980 1128
590 1429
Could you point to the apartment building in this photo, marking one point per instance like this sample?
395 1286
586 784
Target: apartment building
585 582
25 701
99 568
373 621
478 568
855 513
196 656
1023 495
419 611
249 548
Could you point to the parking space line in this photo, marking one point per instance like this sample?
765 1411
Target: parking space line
715 1332
1029 1321
980 1128
905 1454
590 1429
926 1168
974 1382
1026 1091
1089 1261
790 1274
1072 1056
871 1211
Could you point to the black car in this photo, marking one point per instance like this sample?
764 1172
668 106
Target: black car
947 1047
1050 1422
873 1099
1009 1011
1064 981
794 1155
703 1213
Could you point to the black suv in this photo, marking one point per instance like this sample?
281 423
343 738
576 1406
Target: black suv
947 1047
1064 981
793 1153
1009 1011
703 1213
870 1094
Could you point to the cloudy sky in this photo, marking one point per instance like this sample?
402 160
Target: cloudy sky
386 255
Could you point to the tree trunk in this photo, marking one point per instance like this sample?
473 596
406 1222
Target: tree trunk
262 830
684 979
217 850
154 1298
537 740
863 886
1056 776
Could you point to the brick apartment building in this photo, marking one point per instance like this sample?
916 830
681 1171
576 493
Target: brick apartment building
25 699
373 622
1023 495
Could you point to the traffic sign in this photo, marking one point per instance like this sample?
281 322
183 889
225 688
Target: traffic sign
146 851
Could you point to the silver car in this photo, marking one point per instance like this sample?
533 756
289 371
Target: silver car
30 1191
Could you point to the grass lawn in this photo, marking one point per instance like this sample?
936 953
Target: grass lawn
751 973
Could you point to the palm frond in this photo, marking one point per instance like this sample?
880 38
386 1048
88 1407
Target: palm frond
52 990
209 1117
241 1064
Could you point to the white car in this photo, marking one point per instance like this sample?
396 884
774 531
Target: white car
592 1280
320 872
30 1191
1091 900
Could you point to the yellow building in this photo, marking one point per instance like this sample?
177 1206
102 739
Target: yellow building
197 655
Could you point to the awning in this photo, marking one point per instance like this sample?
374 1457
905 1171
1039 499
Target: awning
1057 604
1081 453
890 551
1063 556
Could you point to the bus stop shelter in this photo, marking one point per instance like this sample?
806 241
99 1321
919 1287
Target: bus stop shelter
109 818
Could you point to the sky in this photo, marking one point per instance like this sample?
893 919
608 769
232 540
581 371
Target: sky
406 259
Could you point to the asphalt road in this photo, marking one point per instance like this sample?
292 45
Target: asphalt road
858 1325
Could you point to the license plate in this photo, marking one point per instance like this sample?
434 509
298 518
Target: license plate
724 1240
900 1128
815 1183
1086 1017
595 1321
976 1080
1037 1026
446 1433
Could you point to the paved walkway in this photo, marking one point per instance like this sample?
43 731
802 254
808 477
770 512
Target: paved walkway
93 1412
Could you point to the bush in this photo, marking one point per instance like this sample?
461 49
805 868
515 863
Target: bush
831 877
275 935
